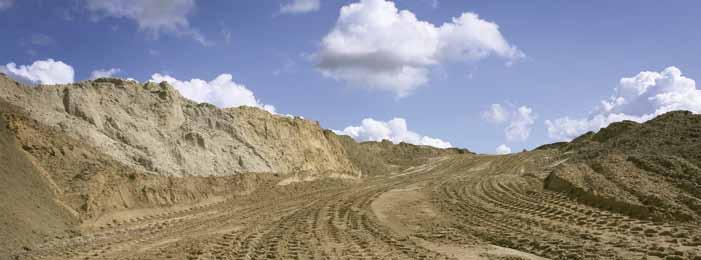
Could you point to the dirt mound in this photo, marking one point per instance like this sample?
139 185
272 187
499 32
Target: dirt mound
650 170
377 158
151 127
459 207
29 211
51 183
112 169
81 155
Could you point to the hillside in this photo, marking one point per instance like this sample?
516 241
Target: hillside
650 170
151 127
29 209
113 169
75 156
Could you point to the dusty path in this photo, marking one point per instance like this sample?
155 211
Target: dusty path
463 207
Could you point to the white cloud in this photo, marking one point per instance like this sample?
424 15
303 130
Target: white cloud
503 149
376 45
222 91
104 73
5 4
153 16
300 6
394 130
520 124
520 121
47 72
496 114
639 98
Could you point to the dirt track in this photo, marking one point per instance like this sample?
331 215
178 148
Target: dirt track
461 207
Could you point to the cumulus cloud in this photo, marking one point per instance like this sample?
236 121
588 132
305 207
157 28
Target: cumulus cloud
519 121
222 91
104 73
520 124
47 72
300 6
638 98
153 16
374 44
503 149
394 130
5 4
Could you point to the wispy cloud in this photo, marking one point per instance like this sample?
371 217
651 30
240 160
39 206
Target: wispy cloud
152 16
300 6
104 73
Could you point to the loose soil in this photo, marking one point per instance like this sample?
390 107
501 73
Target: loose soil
460 207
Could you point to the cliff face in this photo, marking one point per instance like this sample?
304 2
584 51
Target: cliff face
150 127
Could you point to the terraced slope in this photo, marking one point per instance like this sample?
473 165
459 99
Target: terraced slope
453 207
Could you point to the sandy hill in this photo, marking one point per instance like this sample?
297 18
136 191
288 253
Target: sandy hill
650 170
152 128
74 153
114 169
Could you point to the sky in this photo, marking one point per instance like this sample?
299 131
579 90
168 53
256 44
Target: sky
491 76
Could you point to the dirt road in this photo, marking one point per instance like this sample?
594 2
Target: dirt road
461 207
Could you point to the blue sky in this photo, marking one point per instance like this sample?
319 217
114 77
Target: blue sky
560 61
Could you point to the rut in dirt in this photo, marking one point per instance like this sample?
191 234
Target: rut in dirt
477 201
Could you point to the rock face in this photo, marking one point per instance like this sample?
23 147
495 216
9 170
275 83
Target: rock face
151 127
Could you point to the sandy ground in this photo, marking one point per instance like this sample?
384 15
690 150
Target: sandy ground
463 207
406 210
